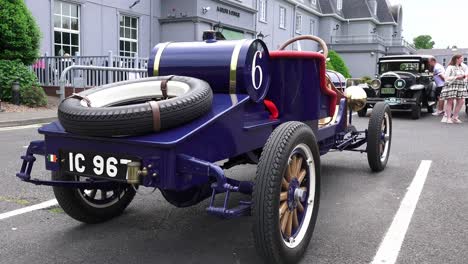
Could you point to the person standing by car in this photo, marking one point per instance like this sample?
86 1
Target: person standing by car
455 91
439 79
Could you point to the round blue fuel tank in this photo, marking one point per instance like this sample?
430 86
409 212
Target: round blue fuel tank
235 67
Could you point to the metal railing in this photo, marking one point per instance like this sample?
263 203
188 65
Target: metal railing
357 39
371 39
49 68
87 76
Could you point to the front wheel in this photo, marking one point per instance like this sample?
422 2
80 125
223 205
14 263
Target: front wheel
416 108
92 205
379 137
286 194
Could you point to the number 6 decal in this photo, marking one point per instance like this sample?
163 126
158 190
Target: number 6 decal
254 70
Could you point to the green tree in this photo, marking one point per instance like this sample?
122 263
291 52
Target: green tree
19 33
329 66
423 42
338 63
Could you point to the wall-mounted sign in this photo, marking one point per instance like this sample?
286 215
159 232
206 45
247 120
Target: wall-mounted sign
228 11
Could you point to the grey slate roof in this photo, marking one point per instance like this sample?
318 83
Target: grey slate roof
326 7
384 12
356 9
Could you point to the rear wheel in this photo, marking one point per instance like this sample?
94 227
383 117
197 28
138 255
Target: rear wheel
286 194
92 205
379 137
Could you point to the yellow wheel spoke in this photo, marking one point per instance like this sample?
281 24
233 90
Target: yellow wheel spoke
298 167
284 184
284 221
283 196
291 169
301 176
283 208
289 225
295 221
300 207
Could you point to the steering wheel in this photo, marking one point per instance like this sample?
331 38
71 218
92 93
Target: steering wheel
309 37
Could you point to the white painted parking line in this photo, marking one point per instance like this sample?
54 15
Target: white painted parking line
391 244
28 209
20 127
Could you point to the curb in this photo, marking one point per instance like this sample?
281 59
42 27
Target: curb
25 122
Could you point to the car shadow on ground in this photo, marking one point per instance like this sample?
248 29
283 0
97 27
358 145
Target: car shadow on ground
405 115
154 230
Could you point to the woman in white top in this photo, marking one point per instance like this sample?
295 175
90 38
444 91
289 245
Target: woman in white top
455 90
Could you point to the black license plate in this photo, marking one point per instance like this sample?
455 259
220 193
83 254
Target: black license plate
388 90
95 164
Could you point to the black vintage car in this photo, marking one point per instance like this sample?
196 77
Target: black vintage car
404 82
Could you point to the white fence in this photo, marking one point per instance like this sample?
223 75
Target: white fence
48 69
98 74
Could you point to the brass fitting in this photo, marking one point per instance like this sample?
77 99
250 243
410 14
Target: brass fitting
134 173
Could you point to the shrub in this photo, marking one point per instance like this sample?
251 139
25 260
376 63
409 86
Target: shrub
33 96
19 33
338 63
30 91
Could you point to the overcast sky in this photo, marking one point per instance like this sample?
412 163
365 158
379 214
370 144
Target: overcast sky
445 20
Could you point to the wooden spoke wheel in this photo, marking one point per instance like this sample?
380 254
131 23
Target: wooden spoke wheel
286 194
379 137
294 196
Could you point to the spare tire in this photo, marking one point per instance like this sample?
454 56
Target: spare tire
135 107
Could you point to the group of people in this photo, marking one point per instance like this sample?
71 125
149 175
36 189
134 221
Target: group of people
452 88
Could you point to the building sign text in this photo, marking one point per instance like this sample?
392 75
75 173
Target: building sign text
228 11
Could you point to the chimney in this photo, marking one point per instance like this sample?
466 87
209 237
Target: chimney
373 6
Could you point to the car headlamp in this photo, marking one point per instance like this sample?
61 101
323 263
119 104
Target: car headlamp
375 84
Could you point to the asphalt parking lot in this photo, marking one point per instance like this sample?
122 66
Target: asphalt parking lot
356 222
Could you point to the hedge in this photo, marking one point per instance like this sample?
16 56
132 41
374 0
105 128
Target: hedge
30 91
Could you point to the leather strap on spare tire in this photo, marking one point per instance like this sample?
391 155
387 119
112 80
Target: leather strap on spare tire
136 107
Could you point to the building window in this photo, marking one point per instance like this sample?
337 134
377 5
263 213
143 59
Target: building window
465 60
312 27
444 61
128 36
298 23
282 18
66 28
339 5
262 9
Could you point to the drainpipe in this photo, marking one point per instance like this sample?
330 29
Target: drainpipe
255 17
293 33
51 26
151 25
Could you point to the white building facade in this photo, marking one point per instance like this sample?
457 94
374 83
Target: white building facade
360 30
